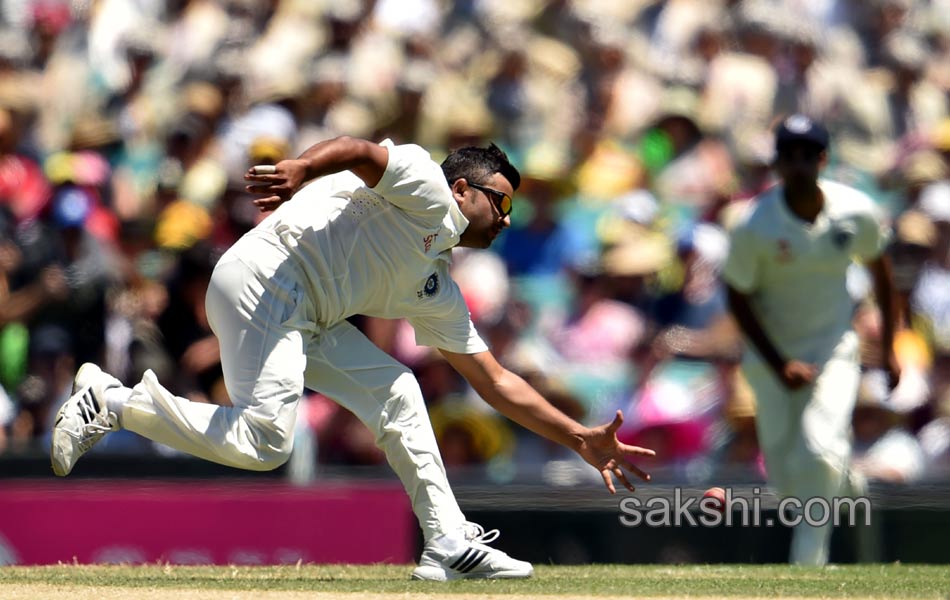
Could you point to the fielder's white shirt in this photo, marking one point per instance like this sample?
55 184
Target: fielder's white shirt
794 271
382 251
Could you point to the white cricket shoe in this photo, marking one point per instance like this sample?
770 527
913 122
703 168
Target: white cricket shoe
471 559
83 419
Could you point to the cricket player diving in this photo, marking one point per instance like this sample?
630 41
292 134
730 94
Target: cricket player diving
373 235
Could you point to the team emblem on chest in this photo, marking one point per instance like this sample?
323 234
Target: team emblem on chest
431 287
841 236
784 251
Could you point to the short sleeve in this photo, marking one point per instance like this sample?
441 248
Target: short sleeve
414 182
447 324
872 234
742 268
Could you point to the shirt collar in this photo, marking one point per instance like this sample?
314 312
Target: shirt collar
453 224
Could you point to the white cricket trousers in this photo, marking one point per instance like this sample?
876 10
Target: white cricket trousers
270 350
805 437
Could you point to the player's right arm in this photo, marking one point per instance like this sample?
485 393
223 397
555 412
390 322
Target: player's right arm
365 159
513 397
793 373
742 273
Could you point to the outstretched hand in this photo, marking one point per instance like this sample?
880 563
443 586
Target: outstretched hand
275 183
601 448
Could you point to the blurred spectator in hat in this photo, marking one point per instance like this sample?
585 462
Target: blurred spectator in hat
593 336
915 237
186 146
191 146
918 170
741 84
19 302
597 329
682 56
61 241
914 104
697 172
754 151
880 20
506 93
111 24
410 91
693 319
181 225
23 188
326 90
633 264
606 166
540 243
468 436
897 106
194 29
811 80
273 113
884 450
96 133
137 107
929 301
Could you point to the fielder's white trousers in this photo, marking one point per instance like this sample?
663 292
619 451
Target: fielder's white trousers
270 350
805 436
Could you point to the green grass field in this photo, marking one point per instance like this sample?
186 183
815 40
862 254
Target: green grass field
385 582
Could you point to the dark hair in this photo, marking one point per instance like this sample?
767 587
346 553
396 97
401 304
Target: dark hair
478 164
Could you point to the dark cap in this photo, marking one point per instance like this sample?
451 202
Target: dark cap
799 128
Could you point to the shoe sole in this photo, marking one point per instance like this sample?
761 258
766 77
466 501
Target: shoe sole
56 435
439 574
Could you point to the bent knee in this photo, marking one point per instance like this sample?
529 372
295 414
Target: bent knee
272 458
272 444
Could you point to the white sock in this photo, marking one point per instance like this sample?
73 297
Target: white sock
116 397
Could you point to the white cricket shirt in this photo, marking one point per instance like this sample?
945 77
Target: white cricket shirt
794 271
382 251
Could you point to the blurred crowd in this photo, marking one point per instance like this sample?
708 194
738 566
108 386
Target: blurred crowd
642 129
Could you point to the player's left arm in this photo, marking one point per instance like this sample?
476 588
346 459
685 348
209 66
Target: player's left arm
513 397
274 184
871 242
882 274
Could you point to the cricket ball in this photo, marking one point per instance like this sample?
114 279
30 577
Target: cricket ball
719 495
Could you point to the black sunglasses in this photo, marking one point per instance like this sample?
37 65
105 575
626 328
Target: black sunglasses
501 199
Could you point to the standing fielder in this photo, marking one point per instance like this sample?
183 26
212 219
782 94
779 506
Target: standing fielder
372 235
786 278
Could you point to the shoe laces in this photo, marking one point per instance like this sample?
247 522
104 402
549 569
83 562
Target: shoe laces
476 533
92 429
